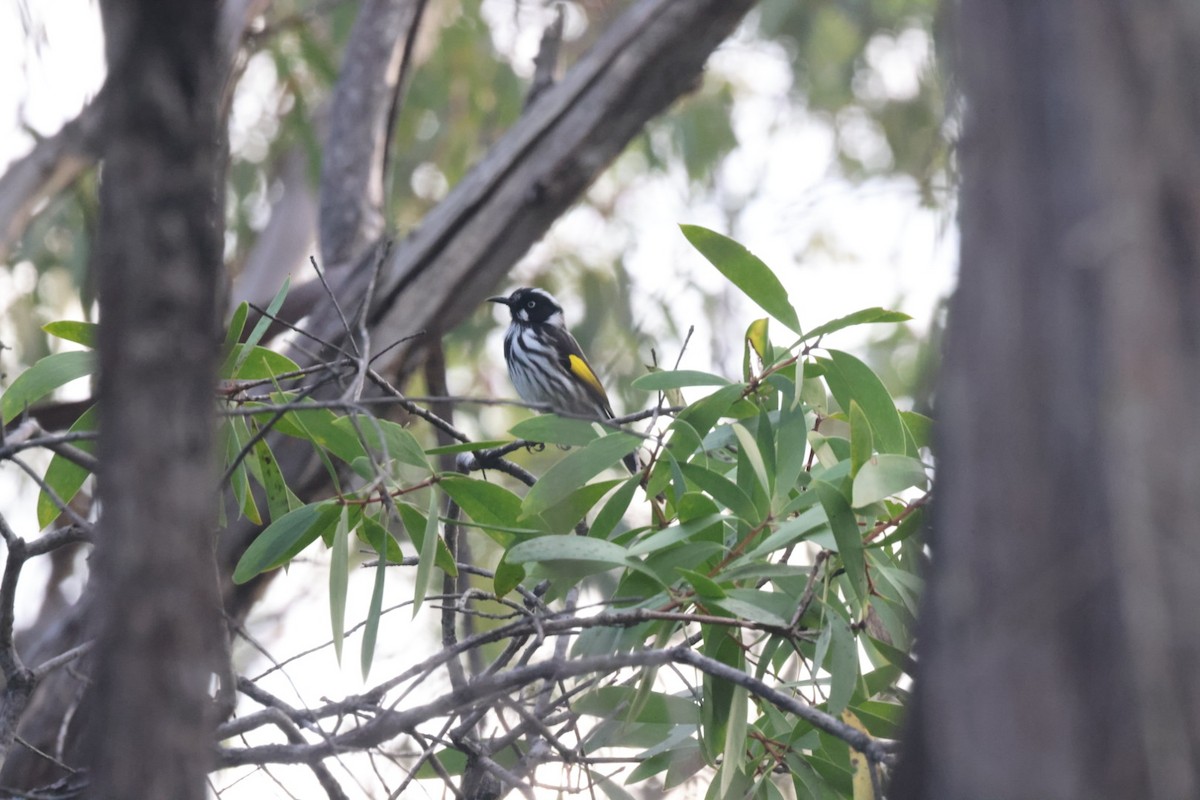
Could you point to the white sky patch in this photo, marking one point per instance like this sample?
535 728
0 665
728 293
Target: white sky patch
52 57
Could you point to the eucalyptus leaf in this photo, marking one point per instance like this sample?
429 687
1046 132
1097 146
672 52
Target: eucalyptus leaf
553 429
284 538
63 476
339 581
83 333
48 374
575 469
677 379
746 271
886 475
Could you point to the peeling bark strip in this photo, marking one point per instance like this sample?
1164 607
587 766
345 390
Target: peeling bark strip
147 724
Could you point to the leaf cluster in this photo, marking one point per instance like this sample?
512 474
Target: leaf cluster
770 532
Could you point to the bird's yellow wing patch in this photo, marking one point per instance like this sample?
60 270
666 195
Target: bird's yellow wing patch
581 370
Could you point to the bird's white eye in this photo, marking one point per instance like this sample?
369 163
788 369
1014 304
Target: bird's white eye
531 304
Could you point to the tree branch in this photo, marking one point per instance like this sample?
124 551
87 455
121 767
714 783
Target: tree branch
351 195
390 723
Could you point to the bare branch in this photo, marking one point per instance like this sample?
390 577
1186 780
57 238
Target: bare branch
389 724
351 196
29 434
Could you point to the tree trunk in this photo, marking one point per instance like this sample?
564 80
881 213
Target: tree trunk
148 728
1060 656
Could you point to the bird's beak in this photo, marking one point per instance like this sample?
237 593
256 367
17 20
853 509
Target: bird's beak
500 299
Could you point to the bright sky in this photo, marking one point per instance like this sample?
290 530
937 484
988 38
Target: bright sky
881 248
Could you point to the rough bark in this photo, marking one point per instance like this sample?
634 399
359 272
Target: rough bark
154 600
1059 655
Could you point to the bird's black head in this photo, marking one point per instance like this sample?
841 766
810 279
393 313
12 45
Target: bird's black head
530 306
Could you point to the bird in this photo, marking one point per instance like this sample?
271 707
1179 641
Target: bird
545 363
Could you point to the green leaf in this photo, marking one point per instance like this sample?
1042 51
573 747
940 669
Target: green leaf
897 657
863 317
271 479
83 333
842 664
881 718
735 739
507 577
339 580
237 432
572 509
611 788
746 272
791 530
378 538
43 378
450 761
769 608
749 447
812 392
64 476
234 362
861 443
791 448
284 538
851 380
573 556
757 339
680 750
614 509
677 379
756 613
385 438
237 323
695 421
764 437
655 708
577 468
886 475
415 524
674 397
661 540
723 490
259 363
488 504
428 556
847 536
705 587
317 425
553 429
725 646
920 427
374 612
